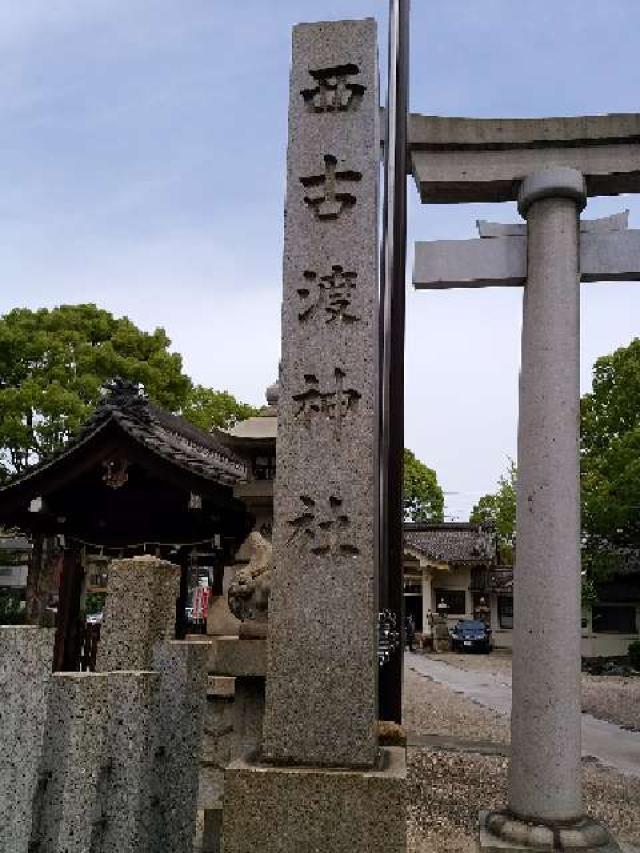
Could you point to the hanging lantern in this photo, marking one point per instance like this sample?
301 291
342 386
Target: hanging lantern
116 472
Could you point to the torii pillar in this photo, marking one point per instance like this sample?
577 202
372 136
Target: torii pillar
551 166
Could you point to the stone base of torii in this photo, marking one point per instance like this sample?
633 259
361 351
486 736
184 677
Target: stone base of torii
550 167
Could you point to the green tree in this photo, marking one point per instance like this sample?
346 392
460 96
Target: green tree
610 460
53 363
500 508
207 408
423 497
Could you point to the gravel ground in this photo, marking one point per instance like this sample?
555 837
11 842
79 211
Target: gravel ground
613 698
432 708
608 697
447 788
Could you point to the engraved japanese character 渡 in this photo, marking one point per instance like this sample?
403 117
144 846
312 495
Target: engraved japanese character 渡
333 295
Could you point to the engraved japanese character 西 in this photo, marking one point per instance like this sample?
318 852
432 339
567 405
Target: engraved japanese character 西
335 89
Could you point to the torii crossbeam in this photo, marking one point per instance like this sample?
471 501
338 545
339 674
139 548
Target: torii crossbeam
550 166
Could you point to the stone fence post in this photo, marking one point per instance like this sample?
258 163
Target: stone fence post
140 611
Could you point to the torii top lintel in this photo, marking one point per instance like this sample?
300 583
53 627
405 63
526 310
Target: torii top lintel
484 160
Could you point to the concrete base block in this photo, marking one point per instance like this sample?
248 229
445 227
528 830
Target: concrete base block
306 809
518 836
233 656
220 620
248 716
221 687
212 835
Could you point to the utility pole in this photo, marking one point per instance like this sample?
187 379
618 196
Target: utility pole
392 301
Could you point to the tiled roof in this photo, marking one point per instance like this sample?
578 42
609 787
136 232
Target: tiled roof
160 432
453 542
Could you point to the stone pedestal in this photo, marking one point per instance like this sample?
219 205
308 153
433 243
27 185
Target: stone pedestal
236 657
307 809
501 833
220 620
234 717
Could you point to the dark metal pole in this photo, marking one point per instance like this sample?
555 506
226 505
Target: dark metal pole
392 299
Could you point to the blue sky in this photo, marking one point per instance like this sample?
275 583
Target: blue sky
142 147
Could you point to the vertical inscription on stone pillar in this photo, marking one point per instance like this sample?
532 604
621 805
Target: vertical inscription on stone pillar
321 685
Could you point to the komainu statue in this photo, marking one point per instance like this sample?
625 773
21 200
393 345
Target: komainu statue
249 590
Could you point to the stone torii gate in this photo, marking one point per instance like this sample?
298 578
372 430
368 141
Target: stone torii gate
550 166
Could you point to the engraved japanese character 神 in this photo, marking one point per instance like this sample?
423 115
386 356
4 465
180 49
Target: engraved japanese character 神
334 90
324 195
327 532
334 404
334 295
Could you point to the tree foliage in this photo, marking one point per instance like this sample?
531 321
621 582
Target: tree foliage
609 471
610 460
610 448
500 509
423 497
207 408
53 363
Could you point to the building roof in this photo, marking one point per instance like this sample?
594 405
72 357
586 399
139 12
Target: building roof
261 427
260 430
452 542
161 435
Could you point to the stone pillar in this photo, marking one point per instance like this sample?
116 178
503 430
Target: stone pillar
178 732
140 611
427 603
321 781
321 704
545 798
545 768
95 786
26 658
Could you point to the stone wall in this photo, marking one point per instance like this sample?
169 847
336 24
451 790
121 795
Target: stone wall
119 769
105 762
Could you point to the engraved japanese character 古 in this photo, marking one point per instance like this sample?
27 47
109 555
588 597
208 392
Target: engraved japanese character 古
327 195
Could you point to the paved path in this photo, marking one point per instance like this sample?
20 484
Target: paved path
610 744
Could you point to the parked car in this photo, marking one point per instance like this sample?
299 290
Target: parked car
94 619
471 635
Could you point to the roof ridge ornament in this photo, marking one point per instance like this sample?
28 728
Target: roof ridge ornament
125 395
